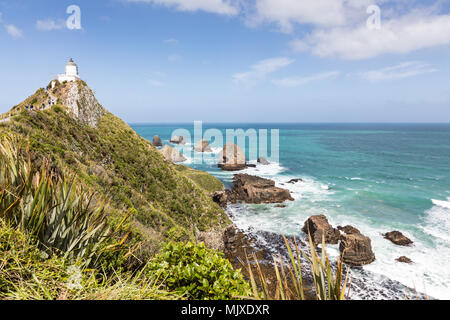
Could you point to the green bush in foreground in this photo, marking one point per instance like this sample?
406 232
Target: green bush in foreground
27 273
198 272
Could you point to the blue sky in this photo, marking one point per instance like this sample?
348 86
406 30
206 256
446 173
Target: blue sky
236 60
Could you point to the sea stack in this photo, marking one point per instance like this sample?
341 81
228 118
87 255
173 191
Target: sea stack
232 158
157 141
177 140
319 228
356 249
202 146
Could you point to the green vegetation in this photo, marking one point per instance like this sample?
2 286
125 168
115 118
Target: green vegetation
117 164
47 208
101 202
198 272
203 179
27 273
56 243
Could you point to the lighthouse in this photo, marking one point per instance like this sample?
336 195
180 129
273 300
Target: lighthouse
71 72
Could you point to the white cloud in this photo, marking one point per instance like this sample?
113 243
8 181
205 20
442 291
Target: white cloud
1 17
50 24
319 13
400 71
287 12
13 31
224 7
292 82
260 70
398 36
171 41
156 83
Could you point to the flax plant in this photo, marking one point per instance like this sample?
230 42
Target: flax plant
328 284
50 209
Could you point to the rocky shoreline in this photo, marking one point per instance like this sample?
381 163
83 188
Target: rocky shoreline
354 247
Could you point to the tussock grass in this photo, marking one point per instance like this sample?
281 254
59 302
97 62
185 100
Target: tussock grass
329 284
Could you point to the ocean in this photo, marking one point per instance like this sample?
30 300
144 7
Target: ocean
376 177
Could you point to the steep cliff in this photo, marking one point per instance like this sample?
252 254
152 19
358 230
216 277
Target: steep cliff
81 137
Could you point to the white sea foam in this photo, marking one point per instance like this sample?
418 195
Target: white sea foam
429 274
443 204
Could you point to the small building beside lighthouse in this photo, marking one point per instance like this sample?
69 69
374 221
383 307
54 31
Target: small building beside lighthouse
71 72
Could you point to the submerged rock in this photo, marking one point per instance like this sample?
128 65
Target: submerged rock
172 154
252 189
157 141
232 158
263 161
356 249
398 238
404 259
295 181
202 146
317 226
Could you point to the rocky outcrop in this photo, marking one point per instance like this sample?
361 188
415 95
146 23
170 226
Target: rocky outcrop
356 249
318 227
157 141
202 146
252 189
220 197
82 104
349 230
263 161
398 238
172 154
232 158
404 259
177 140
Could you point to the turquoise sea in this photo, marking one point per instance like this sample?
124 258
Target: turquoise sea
376 177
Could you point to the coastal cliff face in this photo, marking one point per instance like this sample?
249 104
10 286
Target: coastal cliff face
80 137
82 104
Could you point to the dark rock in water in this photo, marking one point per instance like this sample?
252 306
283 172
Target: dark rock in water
251 165
157 141
252 189
177 140
263 161
398 238
295 181
404 259
202 146
232 158
349 230
356 249
318 226
280 206
221 198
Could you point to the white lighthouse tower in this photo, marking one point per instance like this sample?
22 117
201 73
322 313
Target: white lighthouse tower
71 73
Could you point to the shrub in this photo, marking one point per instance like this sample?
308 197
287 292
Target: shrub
198 272
26 273
48 208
